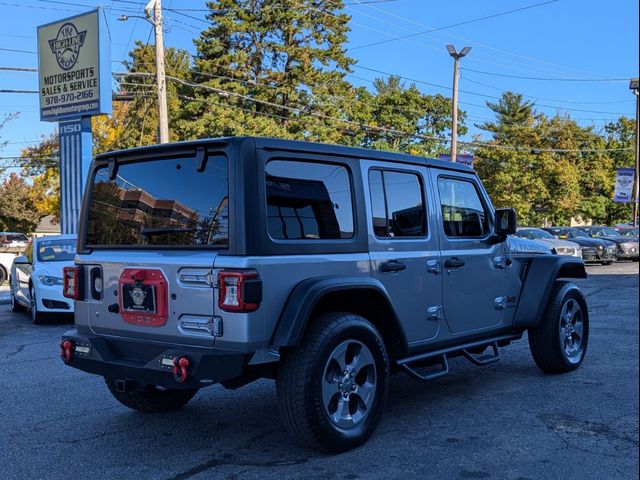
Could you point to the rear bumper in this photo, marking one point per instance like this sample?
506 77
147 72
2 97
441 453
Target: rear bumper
150 363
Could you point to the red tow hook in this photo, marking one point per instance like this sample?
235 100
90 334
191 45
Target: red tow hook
66 349
180 365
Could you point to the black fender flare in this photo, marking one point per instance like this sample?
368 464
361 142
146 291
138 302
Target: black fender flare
541 274
304 297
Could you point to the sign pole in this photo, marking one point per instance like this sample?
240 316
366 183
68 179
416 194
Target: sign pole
75 158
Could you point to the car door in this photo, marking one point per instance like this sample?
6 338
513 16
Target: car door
23 270
403 249
474 279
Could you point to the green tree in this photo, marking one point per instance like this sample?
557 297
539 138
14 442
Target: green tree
284 62
17 210
395 108
139 115
549 168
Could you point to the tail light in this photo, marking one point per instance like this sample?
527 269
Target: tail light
71 282
239 291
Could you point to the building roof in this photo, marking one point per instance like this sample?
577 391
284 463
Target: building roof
48 224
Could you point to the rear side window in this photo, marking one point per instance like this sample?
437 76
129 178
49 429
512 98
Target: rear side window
397 204
164 202
308 201
463 213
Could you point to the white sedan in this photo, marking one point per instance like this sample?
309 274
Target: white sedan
36 277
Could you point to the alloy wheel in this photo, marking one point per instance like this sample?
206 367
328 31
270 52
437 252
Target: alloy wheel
572 330
349 384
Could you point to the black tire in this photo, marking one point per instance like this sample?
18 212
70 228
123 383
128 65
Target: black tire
38 318
151 399
556 349
15 306
311 369
3 275
610 262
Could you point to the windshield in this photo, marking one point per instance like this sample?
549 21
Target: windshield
579 233
605 232
56 250
161 202
538 233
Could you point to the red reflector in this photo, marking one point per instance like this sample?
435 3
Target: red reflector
71 287
230 296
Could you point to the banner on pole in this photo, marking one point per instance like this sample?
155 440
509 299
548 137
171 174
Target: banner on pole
624 186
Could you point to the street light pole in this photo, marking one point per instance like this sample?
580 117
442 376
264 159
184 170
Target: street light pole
633 85
454 114
163 120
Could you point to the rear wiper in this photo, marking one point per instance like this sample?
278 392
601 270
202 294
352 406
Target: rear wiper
147 232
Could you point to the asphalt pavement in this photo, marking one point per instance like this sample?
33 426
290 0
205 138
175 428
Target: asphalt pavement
503 421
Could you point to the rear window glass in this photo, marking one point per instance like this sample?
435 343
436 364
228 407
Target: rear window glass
307 200
56 250
162 202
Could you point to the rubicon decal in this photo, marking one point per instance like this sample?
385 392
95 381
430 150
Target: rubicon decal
66 46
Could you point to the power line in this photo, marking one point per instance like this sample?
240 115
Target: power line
15 50
366 127
535 97
19 69
466 22
555 66
550 79
18 91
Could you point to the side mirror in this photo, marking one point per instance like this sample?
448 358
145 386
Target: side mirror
21 260
506 221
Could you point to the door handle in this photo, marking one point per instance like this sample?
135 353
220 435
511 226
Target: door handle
454 262
392 266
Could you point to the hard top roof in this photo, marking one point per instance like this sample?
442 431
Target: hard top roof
267 143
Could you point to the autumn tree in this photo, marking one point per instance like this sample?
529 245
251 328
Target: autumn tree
17 210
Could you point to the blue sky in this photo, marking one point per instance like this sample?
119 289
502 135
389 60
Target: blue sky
563 39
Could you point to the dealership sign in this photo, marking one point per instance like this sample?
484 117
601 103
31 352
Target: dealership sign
74 68
624 185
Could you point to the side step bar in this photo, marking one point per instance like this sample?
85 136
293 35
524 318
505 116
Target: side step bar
464 348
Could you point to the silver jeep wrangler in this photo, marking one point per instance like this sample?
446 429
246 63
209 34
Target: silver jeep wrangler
323 267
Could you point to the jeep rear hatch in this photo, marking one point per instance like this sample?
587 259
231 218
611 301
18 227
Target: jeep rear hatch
154 228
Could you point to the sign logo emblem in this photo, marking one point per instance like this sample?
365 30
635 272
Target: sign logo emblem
138 295
66 46
625 180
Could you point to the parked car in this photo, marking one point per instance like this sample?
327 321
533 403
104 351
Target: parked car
13 240
626 248
627 231
323 267
6 259
596 250
559 247
36 277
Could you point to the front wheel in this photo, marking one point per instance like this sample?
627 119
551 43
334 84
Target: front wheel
333 387
151 399
559 343
36 316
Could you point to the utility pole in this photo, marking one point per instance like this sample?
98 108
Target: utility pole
454 114
156 20
633 85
